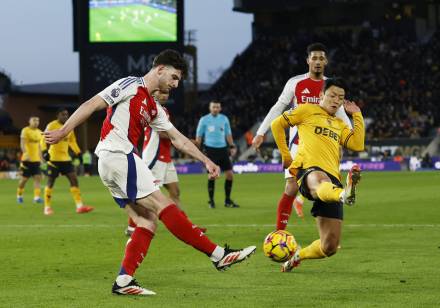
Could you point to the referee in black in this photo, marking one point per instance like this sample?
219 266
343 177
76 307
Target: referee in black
215 130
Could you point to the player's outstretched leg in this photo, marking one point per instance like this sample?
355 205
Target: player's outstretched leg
353 178
326 246
232 256
182 228
313 251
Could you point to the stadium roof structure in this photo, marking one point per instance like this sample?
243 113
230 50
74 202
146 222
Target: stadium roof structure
50 88
256 6
65 89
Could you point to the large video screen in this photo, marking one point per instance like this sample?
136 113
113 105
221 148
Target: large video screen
112 21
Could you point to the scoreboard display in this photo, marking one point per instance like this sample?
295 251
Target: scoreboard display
119 38
133 21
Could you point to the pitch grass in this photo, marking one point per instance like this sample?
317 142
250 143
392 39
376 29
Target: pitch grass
390 254
130 24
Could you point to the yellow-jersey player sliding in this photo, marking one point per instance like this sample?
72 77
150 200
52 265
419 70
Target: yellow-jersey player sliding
60 162
316 165
30 139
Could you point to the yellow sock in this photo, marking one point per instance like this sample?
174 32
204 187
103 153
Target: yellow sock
47 196
20 192
76 194
37 193
329 192
313 251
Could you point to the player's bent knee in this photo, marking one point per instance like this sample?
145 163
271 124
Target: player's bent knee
150 224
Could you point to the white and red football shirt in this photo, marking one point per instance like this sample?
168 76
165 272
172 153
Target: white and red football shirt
300 89
156 148
131 109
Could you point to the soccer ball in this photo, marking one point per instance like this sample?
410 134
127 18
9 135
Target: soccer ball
279 245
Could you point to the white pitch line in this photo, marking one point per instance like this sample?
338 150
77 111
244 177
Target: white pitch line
224 226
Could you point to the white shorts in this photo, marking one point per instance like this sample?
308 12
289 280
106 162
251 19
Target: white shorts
164 173
126 176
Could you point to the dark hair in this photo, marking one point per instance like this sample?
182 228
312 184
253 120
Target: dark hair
335 82
173 58
61 109
316 47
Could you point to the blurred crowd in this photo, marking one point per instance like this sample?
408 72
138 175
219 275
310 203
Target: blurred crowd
390 76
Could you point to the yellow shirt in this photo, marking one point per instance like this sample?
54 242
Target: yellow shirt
60 151
31 138
320 136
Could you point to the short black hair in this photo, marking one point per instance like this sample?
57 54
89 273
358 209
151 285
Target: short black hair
336 82
61 109
316 47
173 58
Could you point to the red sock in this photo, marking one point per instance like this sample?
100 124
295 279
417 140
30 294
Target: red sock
184 214
136 250
183 229
131 222
284 210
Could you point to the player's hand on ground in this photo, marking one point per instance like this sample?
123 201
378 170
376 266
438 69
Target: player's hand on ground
287 161
351 107
53 136
257 141
213 170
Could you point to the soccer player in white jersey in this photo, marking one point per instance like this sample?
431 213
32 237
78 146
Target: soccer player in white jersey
156 152
131 108
300 89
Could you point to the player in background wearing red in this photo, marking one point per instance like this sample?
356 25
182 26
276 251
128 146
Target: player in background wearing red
130 109
156 152
300 89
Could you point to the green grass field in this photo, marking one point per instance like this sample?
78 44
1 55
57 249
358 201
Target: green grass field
390 254
132 23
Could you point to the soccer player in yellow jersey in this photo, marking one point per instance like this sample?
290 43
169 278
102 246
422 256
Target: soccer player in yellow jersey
60 162
316 165
30 160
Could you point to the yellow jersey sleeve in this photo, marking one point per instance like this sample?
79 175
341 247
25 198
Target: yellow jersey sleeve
73 144
288 118
354 139
296 116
